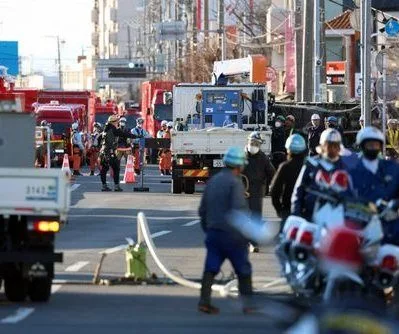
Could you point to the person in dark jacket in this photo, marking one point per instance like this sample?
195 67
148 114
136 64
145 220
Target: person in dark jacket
314 133
284 180
278 141
124 142
109 145
258 174
223 195
329 161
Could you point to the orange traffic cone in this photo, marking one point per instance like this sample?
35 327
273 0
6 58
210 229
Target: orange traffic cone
65 167
129 171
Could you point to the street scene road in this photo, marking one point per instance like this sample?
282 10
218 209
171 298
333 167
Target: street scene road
100 222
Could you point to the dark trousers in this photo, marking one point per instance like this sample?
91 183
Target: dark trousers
112 162
223 246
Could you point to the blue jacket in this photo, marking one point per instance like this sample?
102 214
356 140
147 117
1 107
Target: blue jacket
302 202
382 185
224 192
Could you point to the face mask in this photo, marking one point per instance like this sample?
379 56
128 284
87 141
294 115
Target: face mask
326 157
278 124
140 125
371 154
253 149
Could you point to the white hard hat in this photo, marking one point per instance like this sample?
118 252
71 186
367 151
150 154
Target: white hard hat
330 136
369 133
392 121
315 117
122 120
164 123
75 126
170 124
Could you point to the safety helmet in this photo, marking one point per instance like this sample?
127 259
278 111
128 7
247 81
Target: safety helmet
332 119
43 123
392 121
113 118
255 137
75 126
369 133
234 157
122 120
170 124
140 120
315 117
280 118
330 136
164 123
295 144
98 125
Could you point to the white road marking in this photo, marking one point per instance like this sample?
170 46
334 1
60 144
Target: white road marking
55 288
20 315
194 222
75 186
113 249
129 217
160 233
77 266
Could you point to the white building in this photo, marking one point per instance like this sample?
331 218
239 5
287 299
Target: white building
117 29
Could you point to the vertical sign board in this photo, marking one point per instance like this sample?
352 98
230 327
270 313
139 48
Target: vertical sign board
290 56
9 56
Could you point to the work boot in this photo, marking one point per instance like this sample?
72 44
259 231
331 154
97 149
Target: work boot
105 188
246 292
253 248
137 172
92 173
77 173
118 188
168 172
204 304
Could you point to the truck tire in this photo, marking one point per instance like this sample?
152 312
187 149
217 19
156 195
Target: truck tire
189 186
16 288
176 186
40 289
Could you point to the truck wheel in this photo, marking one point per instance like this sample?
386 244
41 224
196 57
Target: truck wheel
176 186
189 187
16 288
40 289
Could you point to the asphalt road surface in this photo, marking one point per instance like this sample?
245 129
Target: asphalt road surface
100 222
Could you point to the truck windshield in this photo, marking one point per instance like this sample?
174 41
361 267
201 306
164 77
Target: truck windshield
102 118
60 128
163 112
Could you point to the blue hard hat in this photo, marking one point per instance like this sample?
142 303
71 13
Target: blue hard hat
295 144
234 157
332 119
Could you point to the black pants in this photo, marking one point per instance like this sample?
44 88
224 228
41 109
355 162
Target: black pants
112 162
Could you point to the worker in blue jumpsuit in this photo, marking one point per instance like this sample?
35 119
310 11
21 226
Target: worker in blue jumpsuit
375 178
224 194
329 161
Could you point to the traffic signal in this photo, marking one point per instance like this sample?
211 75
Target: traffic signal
136 71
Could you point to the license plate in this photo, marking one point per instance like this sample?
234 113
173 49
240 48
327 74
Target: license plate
218 163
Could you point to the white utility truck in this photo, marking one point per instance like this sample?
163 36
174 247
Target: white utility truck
34 204
210 119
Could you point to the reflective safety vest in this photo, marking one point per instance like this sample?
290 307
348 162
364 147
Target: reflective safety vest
392 138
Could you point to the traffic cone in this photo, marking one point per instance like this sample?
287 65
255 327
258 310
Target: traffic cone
65 167
129 171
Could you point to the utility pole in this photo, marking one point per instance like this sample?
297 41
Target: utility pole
129 51
222 33
307 52
59 61
316 51
298 9
365 8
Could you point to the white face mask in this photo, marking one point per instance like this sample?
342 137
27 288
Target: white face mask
278 124
253 149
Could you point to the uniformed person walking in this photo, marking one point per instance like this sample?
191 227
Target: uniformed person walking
224 194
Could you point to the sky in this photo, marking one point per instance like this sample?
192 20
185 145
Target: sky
30 21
